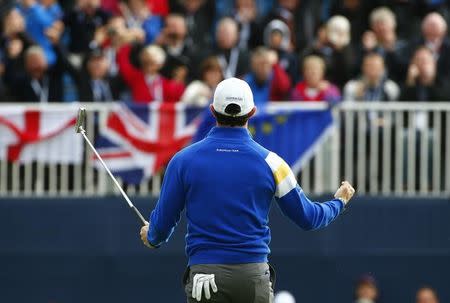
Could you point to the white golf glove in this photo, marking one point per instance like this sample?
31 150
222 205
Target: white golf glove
203 281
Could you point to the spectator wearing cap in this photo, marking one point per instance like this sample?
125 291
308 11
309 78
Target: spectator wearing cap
138 15
145 81
382 38
200 92
179 49
233 60
277 37
422 82
268 81
81 24
366 290
314 87
426 294
373 85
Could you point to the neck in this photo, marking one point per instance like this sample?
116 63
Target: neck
228 126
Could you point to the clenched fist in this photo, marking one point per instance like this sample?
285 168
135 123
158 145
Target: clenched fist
345 192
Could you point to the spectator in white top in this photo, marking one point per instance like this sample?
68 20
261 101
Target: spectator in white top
373 85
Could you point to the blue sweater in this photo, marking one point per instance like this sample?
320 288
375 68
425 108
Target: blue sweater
226 183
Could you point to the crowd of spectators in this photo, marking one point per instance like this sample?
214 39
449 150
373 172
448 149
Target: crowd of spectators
178 50
367 291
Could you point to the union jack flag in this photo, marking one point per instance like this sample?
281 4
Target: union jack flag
136 141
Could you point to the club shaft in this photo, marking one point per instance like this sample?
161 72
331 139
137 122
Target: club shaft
125 196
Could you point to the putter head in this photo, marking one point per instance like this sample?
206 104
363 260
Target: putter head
81 119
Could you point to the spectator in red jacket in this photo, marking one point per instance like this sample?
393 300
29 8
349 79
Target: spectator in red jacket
268 81
314 87
146 83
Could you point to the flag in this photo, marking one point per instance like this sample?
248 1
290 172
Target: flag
138 140
294 134
43 134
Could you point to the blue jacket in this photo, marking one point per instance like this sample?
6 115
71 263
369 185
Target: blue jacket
38 20
226 183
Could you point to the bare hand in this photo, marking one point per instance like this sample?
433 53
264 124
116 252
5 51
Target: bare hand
413 73
143 233
360 89
345 192
53 34
323 85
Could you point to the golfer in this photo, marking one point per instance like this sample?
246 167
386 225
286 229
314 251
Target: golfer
226 183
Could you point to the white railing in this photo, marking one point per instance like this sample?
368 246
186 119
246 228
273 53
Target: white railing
396 148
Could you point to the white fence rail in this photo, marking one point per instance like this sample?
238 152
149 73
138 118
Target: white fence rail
400 148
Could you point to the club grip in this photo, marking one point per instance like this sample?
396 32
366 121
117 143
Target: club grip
138 213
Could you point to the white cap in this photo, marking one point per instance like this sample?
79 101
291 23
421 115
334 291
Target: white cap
233 91
284 297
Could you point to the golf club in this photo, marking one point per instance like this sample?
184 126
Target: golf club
79 128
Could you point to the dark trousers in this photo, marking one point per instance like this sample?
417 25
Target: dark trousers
236 283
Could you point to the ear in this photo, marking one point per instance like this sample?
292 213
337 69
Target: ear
211 108
252 112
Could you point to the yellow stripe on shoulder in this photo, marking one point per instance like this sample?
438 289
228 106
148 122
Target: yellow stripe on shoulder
285 180
281 173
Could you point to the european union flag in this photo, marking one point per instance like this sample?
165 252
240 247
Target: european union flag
293 134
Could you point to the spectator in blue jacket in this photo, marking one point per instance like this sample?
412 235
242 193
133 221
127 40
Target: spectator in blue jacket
38 20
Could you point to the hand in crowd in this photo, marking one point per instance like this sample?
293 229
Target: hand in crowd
55 32
413 73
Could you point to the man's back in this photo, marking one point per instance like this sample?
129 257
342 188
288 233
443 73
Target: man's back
229 187
226 182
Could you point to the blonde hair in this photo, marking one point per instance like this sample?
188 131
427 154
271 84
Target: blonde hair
314 59
382 14
338 30
156 53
